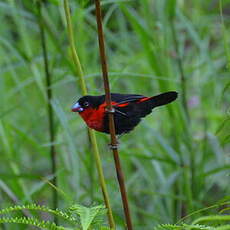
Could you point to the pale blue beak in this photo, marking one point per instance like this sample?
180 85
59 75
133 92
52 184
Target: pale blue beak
77 108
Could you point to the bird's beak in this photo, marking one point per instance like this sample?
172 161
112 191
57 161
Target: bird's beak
77 108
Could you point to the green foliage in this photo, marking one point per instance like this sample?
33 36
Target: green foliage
83 217
32 221
39 208
211 222
89 216
214 218
216 222
173 166
182 227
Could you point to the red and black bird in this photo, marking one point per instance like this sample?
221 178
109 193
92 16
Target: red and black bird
129 109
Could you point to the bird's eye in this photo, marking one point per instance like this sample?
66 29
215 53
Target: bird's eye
86 104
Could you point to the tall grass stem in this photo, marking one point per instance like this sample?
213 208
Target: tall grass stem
225 34
190 184
91 132
49 95
181 70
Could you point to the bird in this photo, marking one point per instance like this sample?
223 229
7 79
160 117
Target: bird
129 109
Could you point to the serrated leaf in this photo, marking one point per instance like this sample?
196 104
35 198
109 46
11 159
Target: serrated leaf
88 216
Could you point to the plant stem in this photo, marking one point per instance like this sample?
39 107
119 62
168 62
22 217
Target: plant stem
225 36
91 132
181 70
101 178
190 186
75 57
53 155
110 111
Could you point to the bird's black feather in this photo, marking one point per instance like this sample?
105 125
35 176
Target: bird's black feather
127 117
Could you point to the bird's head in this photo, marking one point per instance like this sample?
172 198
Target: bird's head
87 102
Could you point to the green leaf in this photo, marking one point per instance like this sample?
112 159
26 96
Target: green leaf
88 216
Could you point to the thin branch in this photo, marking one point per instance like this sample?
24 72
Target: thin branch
110 111
53 156
91 132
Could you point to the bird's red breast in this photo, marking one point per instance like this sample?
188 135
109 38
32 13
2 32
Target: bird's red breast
94 117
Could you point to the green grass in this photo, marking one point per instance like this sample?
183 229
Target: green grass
174 163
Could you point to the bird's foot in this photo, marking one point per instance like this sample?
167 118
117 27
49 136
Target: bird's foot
113 146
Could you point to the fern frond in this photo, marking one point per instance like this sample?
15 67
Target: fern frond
212 218
43 208
32 221
224 227
183 227
88 216
197 227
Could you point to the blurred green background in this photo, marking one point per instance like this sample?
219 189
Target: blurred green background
175 162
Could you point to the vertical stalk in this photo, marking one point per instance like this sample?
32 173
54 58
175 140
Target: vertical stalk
181 70
75 57
225 36
190 186
53 156
92 135
110 111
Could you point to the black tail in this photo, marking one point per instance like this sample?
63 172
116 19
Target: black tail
146 107
164 98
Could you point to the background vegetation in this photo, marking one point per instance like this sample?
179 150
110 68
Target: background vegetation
175 162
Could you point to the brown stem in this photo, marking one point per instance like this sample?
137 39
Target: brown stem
110 111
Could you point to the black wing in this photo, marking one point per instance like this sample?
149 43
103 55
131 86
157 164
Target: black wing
124 98
128 116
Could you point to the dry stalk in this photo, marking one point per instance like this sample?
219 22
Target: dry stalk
110 111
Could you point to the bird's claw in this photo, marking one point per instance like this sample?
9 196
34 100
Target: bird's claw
113 146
